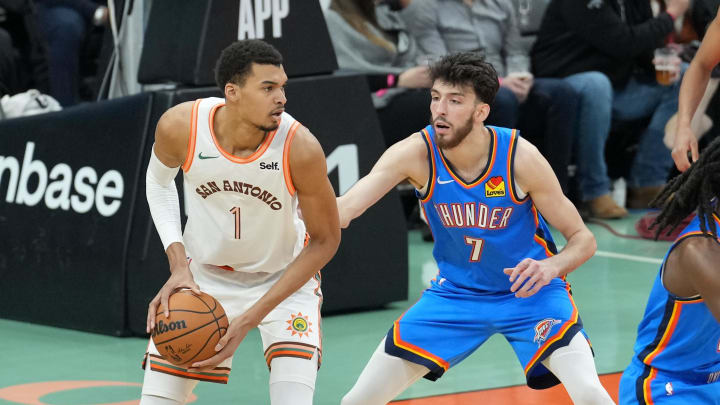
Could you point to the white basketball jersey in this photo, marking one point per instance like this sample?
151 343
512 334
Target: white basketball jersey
242 212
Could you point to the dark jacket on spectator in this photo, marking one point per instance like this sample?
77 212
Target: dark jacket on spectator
32 70
616 37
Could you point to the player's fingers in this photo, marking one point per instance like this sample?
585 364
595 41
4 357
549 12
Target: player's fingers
152 308
164 298
517 269
535 289
524 275
530 283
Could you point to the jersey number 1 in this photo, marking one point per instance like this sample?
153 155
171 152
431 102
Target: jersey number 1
476 248
236 211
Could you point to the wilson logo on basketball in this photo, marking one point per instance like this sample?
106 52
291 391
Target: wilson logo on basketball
163 327
543 328
495 187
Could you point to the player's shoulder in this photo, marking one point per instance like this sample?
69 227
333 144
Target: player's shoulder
305 147
177 119
414 145
525 152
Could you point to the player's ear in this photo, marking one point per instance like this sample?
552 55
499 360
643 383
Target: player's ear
482 110
232 92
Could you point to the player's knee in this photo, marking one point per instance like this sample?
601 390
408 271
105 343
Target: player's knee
294 370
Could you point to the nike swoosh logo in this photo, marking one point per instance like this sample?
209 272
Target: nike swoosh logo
444 181
207 157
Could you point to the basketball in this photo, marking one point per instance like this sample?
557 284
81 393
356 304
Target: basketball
193 329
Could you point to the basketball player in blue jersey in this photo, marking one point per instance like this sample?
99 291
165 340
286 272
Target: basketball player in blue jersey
677 351
248 166
485 193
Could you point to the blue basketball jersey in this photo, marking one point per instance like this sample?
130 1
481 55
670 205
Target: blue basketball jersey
481 227
679 335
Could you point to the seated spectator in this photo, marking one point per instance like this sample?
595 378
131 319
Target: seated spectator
543 109
604 49
66 24
23 60
372 40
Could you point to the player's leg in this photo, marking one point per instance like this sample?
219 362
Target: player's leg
164 389
546 333
574 366
292 345
383 379
292 380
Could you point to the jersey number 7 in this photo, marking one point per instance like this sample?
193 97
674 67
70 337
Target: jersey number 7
476 248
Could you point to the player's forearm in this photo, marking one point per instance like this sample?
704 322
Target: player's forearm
579 248
177 256
691 92
312 259
361 196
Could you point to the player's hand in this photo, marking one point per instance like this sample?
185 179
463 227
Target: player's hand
534 274
181 277
685 140
225 348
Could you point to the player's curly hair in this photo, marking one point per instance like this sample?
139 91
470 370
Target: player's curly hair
468 69
236 60
695 190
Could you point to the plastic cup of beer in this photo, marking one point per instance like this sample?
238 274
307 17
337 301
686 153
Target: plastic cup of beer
667 65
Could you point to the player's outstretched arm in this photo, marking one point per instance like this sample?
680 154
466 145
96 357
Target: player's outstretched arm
535 176
406 159
317 201
692 90
169 152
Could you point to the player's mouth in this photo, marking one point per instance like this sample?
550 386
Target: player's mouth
277 113
442 127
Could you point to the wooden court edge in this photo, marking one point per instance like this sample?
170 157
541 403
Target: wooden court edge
518 394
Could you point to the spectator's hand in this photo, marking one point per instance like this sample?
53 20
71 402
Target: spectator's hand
677 8
520 84
685 140
417 77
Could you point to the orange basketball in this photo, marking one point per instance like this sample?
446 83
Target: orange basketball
195 325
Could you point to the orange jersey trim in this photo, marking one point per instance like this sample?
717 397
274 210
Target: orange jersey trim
540 241
286 157
647 391
416 350
677 309
511 176
259 152
433 171
192 140
559 335
488 169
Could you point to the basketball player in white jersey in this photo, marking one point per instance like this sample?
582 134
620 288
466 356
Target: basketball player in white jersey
248 168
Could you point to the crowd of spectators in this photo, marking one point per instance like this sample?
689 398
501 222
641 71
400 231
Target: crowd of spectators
589 66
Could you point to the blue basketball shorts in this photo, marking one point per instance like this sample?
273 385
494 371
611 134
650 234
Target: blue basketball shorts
448 323
641 384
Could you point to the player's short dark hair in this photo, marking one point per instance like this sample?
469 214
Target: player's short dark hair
468 69
697 189
236 60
